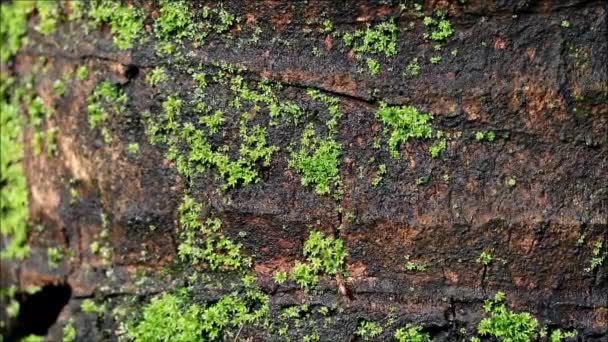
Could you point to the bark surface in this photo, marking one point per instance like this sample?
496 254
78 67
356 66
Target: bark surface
535 198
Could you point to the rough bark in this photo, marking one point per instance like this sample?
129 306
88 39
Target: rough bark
541 87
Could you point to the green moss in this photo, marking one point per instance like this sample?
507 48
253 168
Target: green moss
82 73
318 162
440 28
506 325
173 317
324 256
76 11
157 76
485 258
13 26
379 175
226 21
381 38
133 148
89 306
368 330
438 147
8 297
175 21
168 318
200 79
14 212
54 256
69 332
280 277
33 338
435 59
598 257
414 267
412 69
559 335
406 123
411 266
127 22
412 333
304 276
253 149
373 66
311 337
333 108
254 146
265 95
512 181
324 253
215 121
421 181
49 15
107 99
39 113
204 242
200 154
328 26
59 87
295 312
485 136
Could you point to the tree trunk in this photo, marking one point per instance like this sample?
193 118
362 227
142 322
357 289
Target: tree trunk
502 187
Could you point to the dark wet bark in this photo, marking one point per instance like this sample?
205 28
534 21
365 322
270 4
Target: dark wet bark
541 87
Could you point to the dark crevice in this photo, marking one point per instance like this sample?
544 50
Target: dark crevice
38 311
132 71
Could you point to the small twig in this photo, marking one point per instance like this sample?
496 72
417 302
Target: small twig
238 333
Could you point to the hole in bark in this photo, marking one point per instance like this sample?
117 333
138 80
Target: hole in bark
38 311
132 72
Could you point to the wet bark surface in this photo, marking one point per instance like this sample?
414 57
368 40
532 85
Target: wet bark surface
518 72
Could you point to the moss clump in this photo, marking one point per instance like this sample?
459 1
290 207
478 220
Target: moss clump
265 94
324 255
200 155
412 333
406 123
440 28
39 113
318 162
14 212
381 38
506 325
485 258
157 76
438 147
69 332
373 66
485 136
49 15
598 257
368 330
54 256
13 27
412 69
89 306
203 242
107 99
175 21
82 73
174 317
127 22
